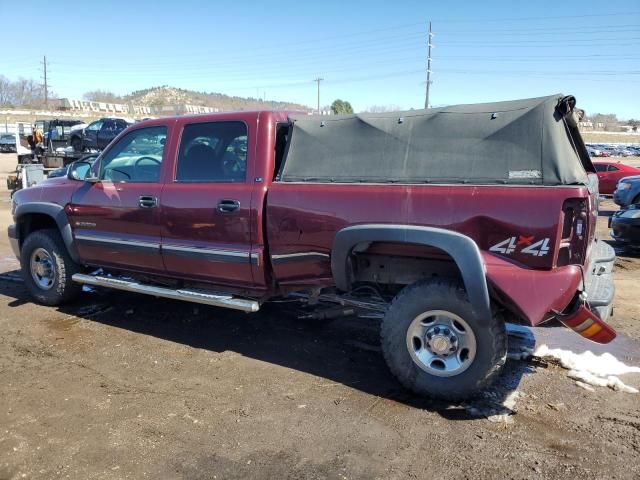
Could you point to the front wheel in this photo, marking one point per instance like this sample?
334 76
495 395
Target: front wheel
435 344
76 143
47 268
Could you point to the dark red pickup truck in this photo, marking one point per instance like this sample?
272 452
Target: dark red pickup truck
446 223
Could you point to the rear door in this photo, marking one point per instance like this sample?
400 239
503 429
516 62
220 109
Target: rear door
90 139
115 221
107 133
206 209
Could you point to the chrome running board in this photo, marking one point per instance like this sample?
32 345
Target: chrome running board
195 296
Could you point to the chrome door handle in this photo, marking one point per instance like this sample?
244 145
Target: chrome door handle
147 201
228 206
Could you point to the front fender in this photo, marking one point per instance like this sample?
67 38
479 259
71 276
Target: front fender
57 213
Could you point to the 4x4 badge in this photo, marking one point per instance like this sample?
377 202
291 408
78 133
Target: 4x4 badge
509 246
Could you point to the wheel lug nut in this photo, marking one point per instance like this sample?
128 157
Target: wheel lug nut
446 331
437 329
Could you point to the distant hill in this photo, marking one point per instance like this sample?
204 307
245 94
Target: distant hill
165 95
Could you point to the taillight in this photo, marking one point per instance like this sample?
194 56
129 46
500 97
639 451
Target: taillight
574 232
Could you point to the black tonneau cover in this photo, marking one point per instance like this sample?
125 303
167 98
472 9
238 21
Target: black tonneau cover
532 141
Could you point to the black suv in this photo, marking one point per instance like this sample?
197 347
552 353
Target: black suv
97 135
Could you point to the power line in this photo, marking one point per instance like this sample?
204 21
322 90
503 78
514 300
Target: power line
554 17
542 31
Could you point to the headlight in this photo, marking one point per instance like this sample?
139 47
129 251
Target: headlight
624 186
14 206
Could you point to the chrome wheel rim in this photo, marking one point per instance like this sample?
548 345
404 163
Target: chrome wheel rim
441 343
42 267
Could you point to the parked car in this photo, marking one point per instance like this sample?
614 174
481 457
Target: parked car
609 173
627 191
97 135
594 152
8 143
64 171
348 214
625 225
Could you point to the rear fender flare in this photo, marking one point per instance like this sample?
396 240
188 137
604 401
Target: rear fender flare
57 213
461 248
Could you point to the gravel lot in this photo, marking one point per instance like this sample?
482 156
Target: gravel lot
124 386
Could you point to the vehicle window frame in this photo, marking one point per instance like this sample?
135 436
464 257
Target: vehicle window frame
225 181
104 154
101 122
108 124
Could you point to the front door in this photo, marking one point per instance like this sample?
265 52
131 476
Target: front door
115 220
90 137
206 210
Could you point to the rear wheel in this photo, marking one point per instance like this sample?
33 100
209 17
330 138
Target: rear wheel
47 268
436 345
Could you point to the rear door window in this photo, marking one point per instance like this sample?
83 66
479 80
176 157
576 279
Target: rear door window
213 152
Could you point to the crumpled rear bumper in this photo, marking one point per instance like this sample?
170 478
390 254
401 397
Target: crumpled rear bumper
590 310
599 289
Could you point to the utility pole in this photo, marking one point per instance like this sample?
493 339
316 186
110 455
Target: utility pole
429 45
318 80
46 85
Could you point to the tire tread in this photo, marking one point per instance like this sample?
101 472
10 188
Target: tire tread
498 336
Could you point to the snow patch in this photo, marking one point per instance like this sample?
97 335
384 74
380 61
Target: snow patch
494 411
588 368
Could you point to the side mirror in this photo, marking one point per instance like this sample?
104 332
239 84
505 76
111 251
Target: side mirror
81 172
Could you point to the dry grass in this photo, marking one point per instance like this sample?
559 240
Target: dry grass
610 137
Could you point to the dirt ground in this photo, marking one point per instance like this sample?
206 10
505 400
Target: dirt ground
124 386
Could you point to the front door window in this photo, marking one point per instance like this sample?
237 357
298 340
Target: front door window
136 158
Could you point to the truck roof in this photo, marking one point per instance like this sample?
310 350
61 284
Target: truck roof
200 117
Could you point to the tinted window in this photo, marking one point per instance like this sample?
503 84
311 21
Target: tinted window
613 169
213 152
600 167
136 157
95 125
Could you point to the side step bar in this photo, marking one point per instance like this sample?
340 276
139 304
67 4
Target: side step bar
217 300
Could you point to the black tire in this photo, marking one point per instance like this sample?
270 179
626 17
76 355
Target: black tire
63 289
450 296
76 143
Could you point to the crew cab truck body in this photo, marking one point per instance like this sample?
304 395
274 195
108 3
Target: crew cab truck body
235 209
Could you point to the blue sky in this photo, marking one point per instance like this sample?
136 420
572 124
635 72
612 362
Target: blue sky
369 53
